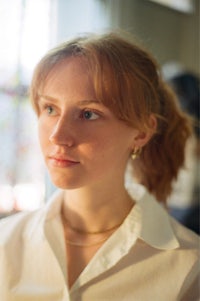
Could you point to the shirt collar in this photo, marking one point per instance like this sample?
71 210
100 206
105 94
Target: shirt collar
35 229
148 219
155 225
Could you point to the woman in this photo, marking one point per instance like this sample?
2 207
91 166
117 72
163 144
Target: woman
102 106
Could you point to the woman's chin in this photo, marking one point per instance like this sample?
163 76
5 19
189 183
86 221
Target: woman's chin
64 183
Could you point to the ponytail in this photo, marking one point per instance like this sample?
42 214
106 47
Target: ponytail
163 156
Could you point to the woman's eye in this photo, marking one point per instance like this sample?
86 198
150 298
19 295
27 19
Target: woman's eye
90 115
49 110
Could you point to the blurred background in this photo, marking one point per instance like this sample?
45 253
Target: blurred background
28 28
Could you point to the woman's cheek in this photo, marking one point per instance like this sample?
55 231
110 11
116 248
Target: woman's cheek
43 133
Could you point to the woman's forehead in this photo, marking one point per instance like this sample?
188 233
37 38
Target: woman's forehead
70 77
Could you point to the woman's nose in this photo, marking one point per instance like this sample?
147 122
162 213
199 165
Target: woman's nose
62 133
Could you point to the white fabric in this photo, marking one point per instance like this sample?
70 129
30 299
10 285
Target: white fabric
150 257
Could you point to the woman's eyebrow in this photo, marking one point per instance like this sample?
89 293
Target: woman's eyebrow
81 102
88 102
50 98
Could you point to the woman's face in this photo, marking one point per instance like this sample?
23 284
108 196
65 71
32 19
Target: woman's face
83 143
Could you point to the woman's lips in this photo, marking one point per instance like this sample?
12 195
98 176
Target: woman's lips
61 162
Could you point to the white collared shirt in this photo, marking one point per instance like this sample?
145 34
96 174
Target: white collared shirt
150 257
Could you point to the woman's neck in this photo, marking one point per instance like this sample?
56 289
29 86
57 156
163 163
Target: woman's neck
95 210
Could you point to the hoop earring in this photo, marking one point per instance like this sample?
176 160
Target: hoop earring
136 152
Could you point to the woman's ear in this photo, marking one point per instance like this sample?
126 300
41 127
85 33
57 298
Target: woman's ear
143 137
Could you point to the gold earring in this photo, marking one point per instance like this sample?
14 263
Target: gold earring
136 152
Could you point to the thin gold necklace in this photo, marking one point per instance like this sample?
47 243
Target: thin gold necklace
81 245
88 232
86 245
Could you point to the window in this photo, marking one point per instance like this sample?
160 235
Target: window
25 36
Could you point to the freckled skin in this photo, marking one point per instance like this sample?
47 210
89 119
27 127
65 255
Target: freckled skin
98 141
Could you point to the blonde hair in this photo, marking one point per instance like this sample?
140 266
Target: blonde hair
128 81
